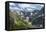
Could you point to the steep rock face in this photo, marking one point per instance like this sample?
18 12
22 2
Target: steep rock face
38 18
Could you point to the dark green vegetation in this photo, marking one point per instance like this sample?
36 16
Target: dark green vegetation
17 22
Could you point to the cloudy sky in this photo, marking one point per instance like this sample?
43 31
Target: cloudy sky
29 7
